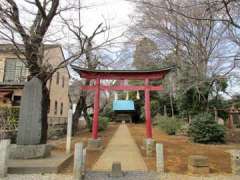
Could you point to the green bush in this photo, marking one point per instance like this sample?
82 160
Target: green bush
9 117
169 125
102 123
204 129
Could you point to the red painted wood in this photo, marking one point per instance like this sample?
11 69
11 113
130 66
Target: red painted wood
122 88
122 75
148 111
96 110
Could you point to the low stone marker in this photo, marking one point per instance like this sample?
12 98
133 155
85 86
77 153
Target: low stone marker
4 144
235 161
116 170
159 158
78 162
198 164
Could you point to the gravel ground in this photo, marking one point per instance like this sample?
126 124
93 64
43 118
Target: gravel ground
127 176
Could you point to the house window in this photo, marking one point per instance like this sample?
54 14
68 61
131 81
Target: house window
63 81
55 107
15 71
61 109
58 76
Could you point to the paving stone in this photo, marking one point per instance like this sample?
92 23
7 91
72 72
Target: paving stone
121 148
127 176
116 170
133 175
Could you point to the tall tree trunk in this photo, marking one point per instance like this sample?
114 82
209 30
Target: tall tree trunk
45 110
77 114
81 104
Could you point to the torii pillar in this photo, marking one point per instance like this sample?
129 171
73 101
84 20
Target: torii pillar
95 143
96 110
148 111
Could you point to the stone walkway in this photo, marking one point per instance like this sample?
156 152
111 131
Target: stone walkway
121 148
127 176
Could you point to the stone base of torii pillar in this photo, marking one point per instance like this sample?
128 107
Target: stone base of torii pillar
95 144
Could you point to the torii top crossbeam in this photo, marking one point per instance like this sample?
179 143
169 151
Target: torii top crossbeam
145 75
122 74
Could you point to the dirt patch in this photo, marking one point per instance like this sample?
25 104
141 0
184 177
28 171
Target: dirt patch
92 156
177 149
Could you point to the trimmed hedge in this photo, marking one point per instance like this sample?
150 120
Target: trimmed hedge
204 129
169 125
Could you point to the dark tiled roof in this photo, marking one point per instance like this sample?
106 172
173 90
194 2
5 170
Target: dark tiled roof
78 69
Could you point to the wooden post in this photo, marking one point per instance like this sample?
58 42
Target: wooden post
96 110
148 111
69 131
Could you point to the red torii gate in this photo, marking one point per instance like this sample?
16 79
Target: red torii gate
146 75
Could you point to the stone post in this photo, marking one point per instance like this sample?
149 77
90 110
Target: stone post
235 161
159 158
84 160
78 162
4 144
69 131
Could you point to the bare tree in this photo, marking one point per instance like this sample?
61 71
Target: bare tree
25 25
194 46
225 11
32 38
91 59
